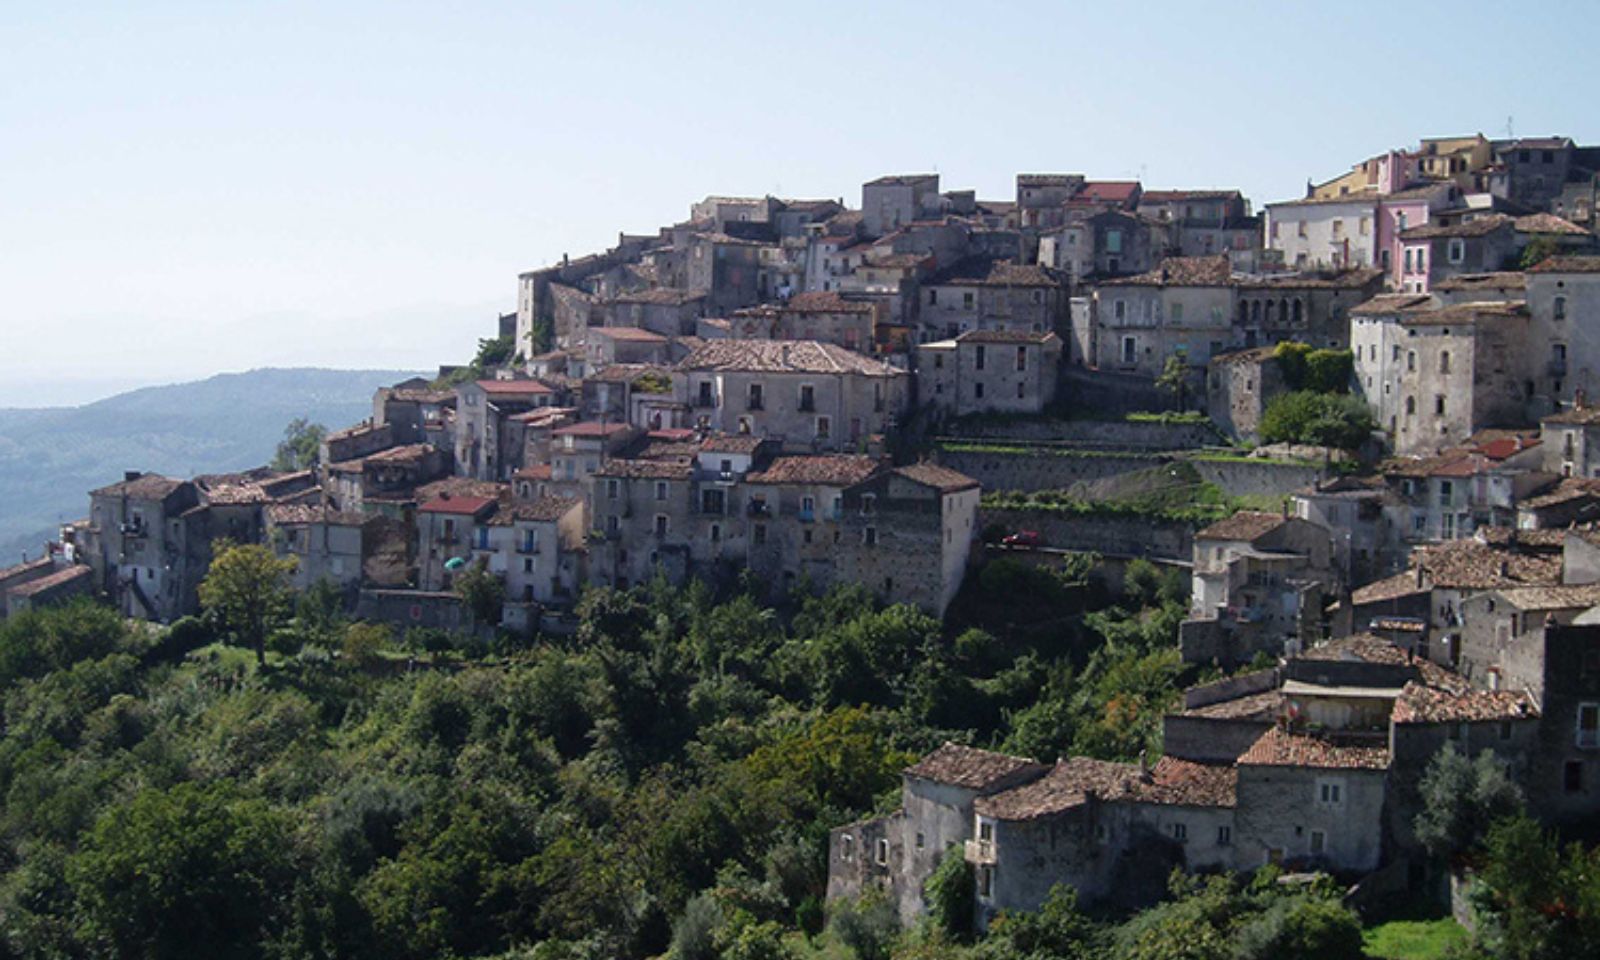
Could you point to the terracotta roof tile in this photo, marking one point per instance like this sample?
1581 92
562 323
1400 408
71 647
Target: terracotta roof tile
1480 226
514 388
1419 703
1068 784
1280 748
647 469
986 272
782 356
1549 223
461 506
61 577
969 767
1182 272
149 486
1570 264
542 510
1506 280
833 470
1245 525
295 514
940 478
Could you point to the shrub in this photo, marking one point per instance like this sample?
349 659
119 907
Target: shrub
1320 419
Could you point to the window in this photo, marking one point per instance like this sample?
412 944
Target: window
1330 792
713 501
1180 832
755 396
1422 259
933 298
921 841
1589 725
1224 836
1300 229
1408 260
611 524
824 427
1411 360
1572 776
1177 313
1021 392
1505 729
1438 404
1022 358
1366 226
1113 241
661 489
966 300
1444 361
869 501
758 533
661 525
808 508
1457 251
1130 348
1319 842
882 855
870 536
977 391
1558 308
847 848
986 882
1119 309
977 358
716 533
1338 228
808 393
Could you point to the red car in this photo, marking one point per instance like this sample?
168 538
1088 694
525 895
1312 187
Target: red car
1024 538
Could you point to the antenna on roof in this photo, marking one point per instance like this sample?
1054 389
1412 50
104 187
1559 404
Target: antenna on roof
1510 135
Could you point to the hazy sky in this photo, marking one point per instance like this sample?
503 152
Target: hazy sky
187 188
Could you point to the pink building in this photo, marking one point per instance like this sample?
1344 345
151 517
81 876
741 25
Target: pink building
1399 211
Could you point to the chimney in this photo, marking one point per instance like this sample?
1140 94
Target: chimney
444 494
565 260
1505 569
1144 767
128 476
1418 569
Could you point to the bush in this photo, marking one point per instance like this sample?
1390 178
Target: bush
867 926
184 636
1320 419
364 643
948 894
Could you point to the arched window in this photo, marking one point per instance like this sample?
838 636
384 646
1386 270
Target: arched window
1283 310
1411 406
1269 311
1244 311
1298 307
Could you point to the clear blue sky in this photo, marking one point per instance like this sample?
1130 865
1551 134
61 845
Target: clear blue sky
187 188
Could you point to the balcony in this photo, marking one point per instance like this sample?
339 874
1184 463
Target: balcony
807 516
757 508
980 852
1556 368
528 549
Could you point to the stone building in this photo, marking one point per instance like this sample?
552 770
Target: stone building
1334 233
813 315
1571 442
485 449
664 311
983 294
385 481
989 371
537 549
1204 223
1436 251
450 528
806 395
1260 580
1182 308
326 544
907 534
889 203
54 584
608 345
1239 387
1309 307
1563 297
416 414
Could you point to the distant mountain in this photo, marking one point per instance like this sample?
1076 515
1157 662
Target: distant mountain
51 458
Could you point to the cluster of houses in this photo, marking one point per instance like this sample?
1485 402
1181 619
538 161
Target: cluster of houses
753 390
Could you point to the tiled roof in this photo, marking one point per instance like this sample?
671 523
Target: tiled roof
1109 190
1049 179
1476 227
1507 280
364 427
1554 597
544 416
421 395
1403 584
295 514
629 334
591 428
1179 782
1419 703
1577 416
940 478
61 577
1280 748
1469 565
1549 223
518 388
1171 196
1353 278
1568 490
832 470
1386 303
969 767
462 506
659 295
460 487
1067 785
534 471
1005 336
542 510
1245 525
149 486
1464 312
986 272
25 567
407 453
1262 706
731 443
626 372
1250 355
901 179
1182 272
1589 264
782 356
1508 536
647 469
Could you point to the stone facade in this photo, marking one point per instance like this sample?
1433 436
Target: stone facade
989 372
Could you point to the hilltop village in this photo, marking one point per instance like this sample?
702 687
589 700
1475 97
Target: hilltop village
1358 421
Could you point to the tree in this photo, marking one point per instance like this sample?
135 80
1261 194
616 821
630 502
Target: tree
494 352
193 871
247 590
1174 379
1538 250
948 894
1532 900
1460 799
482 593
301 446
1321 419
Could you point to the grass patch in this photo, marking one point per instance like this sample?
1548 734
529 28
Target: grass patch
1414 939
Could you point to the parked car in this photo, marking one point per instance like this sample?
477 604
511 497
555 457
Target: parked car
1023 538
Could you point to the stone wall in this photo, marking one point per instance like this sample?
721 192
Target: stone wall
1095 434
1045 468
1114 536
